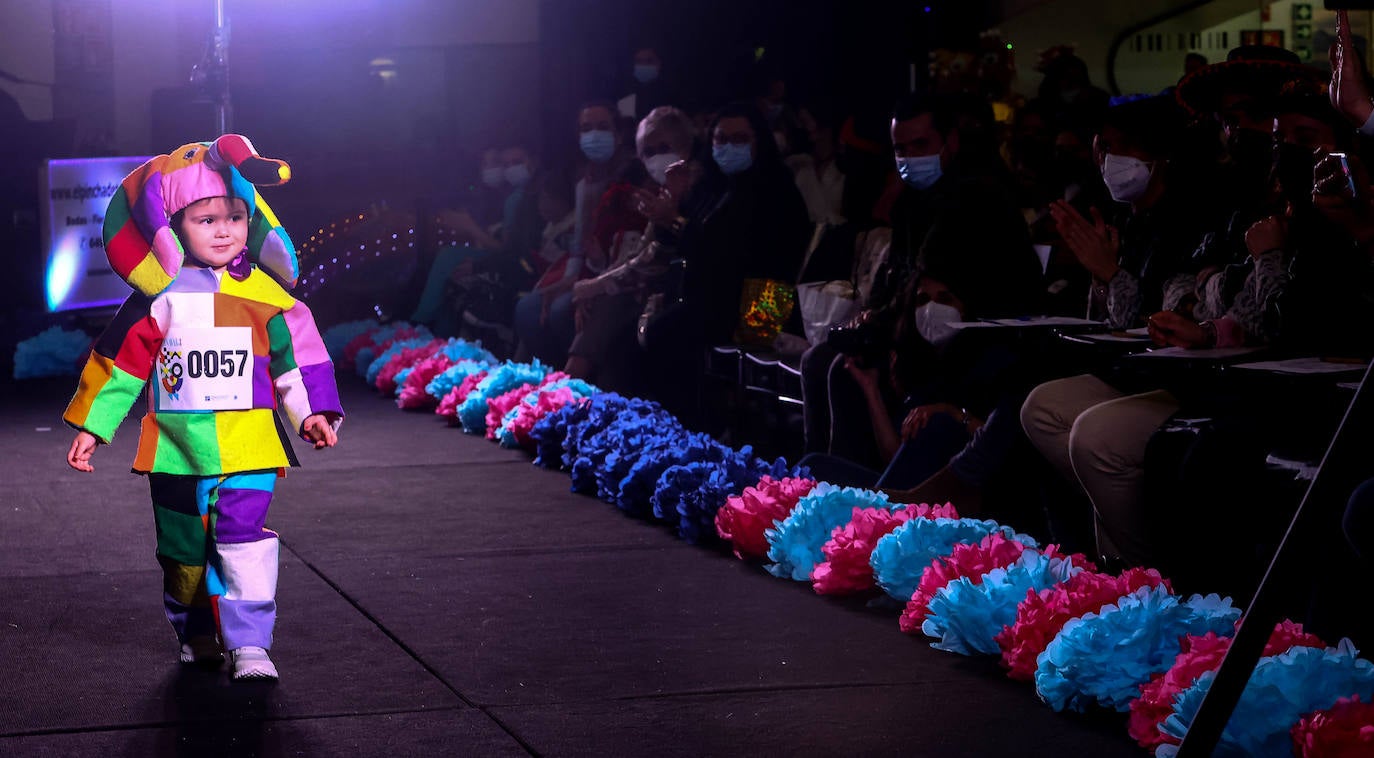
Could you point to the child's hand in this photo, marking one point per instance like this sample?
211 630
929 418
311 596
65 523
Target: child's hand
319 431
79 457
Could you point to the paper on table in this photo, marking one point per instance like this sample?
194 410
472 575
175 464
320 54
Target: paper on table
1048 321
1204 354
1115 337
1303 366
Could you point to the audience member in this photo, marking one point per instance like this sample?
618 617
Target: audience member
743 220
607 306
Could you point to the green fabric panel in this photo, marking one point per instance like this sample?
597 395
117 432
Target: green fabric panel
197 431
116 214
112 403
180 536
279 341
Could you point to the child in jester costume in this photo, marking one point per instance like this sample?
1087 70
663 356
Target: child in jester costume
213 334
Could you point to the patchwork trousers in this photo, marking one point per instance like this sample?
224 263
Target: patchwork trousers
219 562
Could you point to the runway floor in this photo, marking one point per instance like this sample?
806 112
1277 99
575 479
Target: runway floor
442 596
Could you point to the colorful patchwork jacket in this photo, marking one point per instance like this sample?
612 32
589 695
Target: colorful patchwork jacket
221 352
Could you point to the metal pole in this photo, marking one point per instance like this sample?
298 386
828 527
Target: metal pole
221 66
1328 490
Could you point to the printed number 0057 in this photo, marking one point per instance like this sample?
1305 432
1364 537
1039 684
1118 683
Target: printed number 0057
216 363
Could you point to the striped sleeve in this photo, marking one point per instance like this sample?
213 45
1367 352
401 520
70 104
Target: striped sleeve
116 371
300 367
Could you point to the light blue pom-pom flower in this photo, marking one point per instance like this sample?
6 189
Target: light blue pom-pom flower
52 352
903 555
967 615
363 361
447 380
375 367
337 337
1105 656
401 379
794 545
461 350
472 414
1282 689
578 387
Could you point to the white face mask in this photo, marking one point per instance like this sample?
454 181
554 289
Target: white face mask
1126 177
518 174
935 321
657 165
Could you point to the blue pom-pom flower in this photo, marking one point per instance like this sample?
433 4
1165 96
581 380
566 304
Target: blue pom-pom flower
1105 656
449 379
966 616
1282 689
52 352
472 413
794 545
903 555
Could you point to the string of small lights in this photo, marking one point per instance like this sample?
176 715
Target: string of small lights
334 250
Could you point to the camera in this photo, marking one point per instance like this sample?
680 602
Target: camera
864 339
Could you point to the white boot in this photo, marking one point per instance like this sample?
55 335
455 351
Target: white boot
252 663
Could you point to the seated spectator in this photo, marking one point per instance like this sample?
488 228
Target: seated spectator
607 161
973 216
743 220
543 318
1096 434
607 306
494 247
1135 260
954 429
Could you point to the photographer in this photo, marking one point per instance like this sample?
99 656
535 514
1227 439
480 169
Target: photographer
973 220
955 426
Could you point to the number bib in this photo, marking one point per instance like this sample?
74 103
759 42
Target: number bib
205 369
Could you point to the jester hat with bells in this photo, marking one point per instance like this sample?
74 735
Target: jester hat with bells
138 236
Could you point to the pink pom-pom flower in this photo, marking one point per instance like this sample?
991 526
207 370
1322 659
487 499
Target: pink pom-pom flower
1345 730
528 415
745 517
448 407
355 345
413 395
1041 615
499 406
1199 655
845 569
971 560
386 378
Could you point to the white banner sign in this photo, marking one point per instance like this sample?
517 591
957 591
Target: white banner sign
76 192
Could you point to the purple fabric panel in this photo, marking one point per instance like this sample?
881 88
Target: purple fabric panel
149 212
242 514
188 621
247 622
192 279
264 393
306 343
318 381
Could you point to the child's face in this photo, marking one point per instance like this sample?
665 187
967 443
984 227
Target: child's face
214 230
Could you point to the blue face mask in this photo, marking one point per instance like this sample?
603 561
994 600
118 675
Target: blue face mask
920 172
598 145
733 158
645 72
